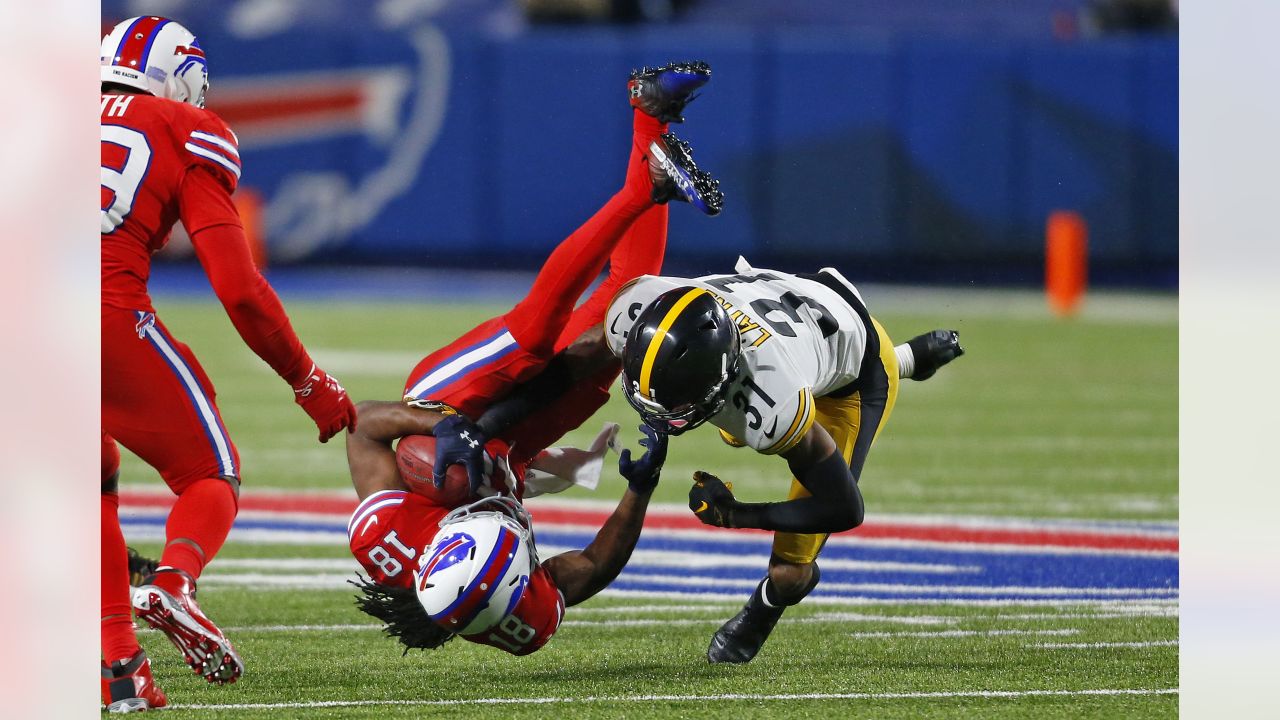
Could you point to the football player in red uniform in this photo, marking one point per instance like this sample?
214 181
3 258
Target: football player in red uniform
165 158
437 570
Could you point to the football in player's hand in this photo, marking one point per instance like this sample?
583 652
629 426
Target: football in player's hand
416 457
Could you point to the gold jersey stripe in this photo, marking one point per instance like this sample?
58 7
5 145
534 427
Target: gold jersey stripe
800 424
646 369
811 416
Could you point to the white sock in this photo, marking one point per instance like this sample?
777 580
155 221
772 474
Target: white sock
906 360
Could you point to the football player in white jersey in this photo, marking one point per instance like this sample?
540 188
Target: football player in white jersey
789 365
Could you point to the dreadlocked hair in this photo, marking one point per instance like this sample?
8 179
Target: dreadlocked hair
405 618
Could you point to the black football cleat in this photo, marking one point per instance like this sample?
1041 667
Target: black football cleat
932 350
127 686
663 92
140 567
738 640
676 177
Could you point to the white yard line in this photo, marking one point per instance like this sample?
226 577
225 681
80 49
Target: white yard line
1043 443
1127 527
979 694
960 633
968 602
341 627
336 581
344 361
637 609
1107 611
899 619
212 585
639 558
338 538
1120 615
1149 643
819 618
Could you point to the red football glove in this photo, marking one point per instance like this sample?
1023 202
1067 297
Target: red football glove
326 402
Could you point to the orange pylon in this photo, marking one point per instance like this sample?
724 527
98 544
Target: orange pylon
1066 261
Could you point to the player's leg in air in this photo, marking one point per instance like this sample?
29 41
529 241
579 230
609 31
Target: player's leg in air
854 420
157 402
485 363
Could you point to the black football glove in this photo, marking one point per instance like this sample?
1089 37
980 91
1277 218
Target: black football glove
459 442
932 350
642 475
712 500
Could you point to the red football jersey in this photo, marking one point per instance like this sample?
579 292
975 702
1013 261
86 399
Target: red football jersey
150 147
388 532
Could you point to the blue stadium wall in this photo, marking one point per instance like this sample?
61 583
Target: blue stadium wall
894 157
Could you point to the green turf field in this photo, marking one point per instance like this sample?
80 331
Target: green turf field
1041 419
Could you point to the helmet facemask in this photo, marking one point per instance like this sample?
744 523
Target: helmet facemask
684 417
679 360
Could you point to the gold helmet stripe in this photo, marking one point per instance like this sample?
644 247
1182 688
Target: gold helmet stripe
651 354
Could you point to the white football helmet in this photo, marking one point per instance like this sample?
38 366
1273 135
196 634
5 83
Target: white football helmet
158 56
477 567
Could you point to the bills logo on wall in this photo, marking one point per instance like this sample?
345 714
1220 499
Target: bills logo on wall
384 118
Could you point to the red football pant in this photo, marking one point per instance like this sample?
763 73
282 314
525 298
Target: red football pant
484 364
158 402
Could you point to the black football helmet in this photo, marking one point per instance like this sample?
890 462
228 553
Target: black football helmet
679 360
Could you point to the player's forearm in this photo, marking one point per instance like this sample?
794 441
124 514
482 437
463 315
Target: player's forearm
372 464
611 549
261 321
835 505
370 456
385 422
802 515
254 308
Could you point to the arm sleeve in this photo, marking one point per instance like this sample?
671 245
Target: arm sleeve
835 504
255 311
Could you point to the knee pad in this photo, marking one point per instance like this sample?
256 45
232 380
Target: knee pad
234 482
111 485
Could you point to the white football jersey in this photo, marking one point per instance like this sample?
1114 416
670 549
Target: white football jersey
800 340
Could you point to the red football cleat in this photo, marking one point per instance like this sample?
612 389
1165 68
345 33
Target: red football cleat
167 601
127 686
